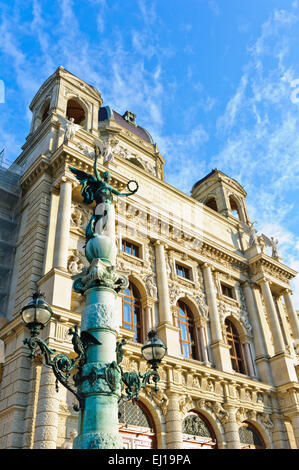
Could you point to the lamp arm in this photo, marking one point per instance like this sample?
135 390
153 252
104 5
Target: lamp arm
61 365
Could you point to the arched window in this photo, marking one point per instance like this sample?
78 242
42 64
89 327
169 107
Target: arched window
45 111
236 354
250 437
136 426
132 311
234 208
187 331
197 432
75 110
211 202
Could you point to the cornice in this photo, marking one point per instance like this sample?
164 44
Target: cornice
263 264
40 166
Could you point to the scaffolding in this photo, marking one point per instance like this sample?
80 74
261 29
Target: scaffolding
10 192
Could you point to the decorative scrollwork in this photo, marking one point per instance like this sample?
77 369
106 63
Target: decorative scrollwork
61 364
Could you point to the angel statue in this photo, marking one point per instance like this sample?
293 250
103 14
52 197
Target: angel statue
100 231
252 234
273 243
71 129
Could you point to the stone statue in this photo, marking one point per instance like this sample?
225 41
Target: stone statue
100 231
151 288
252 234
107 153
261 243
71 129
76 217
75 265
272 243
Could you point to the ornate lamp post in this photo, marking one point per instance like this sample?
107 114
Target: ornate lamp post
98 376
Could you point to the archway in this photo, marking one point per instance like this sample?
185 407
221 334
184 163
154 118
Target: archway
136 426
198 432
235 209
212 204
250 438
75 110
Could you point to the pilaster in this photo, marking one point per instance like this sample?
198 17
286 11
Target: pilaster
220 350
174 435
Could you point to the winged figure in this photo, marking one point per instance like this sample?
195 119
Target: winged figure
94 188
271 242
82 342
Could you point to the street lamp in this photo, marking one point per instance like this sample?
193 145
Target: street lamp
98 376
153 350
36 314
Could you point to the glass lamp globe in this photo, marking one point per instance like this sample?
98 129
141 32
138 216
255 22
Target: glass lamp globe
154 349
37 313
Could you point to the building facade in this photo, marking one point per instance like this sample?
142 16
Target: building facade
199 273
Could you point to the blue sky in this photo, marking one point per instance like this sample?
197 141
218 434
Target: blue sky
212 80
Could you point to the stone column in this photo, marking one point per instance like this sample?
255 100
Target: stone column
249 364
258 332
295 426
265 333
278 432
31 409
292 314
285 326
220 350
63 225
231 428
212 303
168 333
201 325
46 424
52 221
147 319
174 434
278 342
162 281
247 356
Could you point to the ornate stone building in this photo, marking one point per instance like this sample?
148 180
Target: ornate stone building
199 273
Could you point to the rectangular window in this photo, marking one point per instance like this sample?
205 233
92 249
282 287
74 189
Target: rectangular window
227 291
130 248
182 271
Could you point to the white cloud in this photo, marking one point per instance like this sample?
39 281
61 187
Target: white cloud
260 130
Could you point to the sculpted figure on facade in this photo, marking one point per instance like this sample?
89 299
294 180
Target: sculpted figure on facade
241 415
203 307
219 412
174 293
267 422
261 243
252 234
272 243
71 129
151 286
106 150
185 404
160 398
75 264
79 215
76 216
